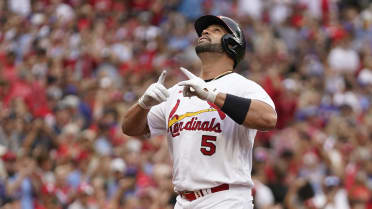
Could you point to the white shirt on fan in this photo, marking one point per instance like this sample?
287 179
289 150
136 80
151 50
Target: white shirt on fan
206 146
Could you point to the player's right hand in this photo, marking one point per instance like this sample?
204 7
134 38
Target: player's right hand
199 87
155 94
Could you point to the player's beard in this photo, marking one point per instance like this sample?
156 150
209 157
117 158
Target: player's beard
208 47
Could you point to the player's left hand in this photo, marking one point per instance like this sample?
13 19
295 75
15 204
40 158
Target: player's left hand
197 87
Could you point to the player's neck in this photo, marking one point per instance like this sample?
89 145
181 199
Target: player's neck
215 68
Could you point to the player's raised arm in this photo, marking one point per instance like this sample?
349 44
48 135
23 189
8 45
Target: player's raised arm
135 119
249 112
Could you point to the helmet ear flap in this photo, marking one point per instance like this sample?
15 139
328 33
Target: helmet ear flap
230 46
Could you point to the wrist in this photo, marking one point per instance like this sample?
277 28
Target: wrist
236 107
220 99
211 96
142 104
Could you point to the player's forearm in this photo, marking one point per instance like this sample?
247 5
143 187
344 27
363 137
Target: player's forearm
135 121
260 115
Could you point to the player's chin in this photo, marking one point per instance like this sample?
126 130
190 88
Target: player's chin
208 47
203 43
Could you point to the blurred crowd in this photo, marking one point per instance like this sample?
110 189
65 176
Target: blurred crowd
70 68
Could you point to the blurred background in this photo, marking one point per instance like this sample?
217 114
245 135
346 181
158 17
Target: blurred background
69 69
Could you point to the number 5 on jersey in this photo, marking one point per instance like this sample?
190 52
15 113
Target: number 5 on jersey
208 146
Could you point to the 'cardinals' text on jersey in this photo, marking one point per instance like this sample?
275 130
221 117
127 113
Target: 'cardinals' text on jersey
207 147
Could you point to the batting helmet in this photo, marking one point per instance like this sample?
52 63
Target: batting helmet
233 43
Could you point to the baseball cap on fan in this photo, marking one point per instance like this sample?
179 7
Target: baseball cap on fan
71 101
8 156
118 164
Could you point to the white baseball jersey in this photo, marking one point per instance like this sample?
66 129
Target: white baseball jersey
206 146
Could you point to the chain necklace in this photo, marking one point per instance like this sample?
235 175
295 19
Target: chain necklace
222 74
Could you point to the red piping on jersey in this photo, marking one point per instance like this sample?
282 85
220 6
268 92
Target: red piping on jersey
220 113
174 109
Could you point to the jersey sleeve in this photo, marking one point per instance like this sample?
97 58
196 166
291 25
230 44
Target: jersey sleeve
156 119
255 91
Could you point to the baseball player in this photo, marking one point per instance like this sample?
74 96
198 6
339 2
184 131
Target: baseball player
210 121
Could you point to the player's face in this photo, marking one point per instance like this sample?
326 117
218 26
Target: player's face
210 41
212 34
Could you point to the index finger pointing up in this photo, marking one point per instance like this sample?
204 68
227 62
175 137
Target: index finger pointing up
162 77
187 73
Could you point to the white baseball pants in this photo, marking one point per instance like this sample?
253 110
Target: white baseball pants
234 198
